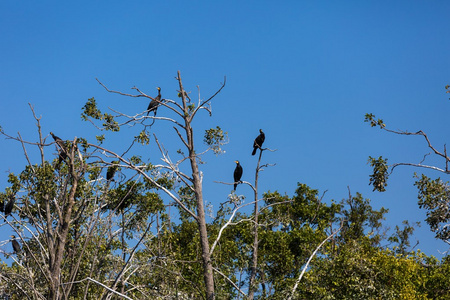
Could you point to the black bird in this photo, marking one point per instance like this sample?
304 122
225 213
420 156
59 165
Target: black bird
237 174
9 206
2 205
111 170
258 141
15 244
59 141
153 105
62 153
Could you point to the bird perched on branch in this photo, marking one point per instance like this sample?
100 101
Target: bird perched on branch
62 151
237 174
15 244
153 105
258 141
112 170
58 141
9 206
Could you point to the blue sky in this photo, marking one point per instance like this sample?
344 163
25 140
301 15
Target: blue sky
305 72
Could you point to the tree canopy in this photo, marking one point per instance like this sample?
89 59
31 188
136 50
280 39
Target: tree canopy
99 223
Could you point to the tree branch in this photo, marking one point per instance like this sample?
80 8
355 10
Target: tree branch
311 257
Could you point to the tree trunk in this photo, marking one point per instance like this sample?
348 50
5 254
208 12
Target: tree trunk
201 221
254 262
208 274
55 268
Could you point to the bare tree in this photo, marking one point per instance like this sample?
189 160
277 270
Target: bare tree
185 110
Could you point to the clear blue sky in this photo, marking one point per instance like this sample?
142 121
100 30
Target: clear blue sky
305 72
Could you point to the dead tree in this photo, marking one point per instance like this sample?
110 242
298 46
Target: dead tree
185 110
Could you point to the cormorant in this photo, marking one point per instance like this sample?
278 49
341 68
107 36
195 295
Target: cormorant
258 141
153 105
9 206
111 170
237 174
59 141
62 153
15 244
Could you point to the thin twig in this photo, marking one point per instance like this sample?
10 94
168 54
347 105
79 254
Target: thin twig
101 284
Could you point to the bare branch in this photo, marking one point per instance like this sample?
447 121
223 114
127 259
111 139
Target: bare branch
229 222
241 182
230 281
123 94
139 118
210 98
311 257
141 94
25 151
41 140
131 256
420 132
181 137
140 171
100 284
171 166
419 166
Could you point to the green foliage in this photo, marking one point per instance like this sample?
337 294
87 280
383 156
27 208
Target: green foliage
143 138
434 196
291 229
191 108
401 237
41 184
360 271
361 220
100 138
110 123
380 173
370 118
90 110
124 196
83 143
437 283
215 138
136 160
128 219
94 171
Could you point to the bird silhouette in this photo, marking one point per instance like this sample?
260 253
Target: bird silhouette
237 174
9 206
257 143
153 105
62 155
111 170
15 244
